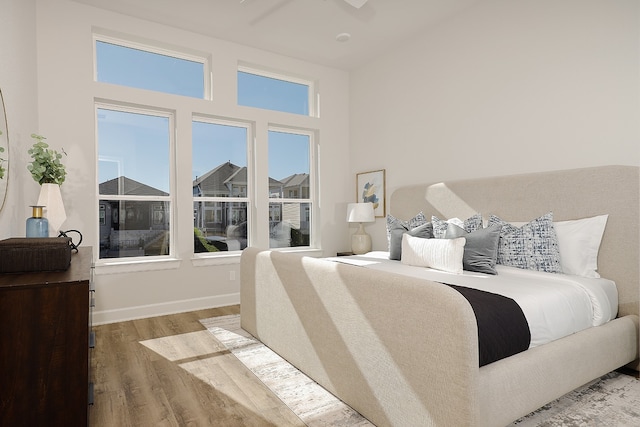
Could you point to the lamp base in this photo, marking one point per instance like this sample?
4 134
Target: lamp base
360 243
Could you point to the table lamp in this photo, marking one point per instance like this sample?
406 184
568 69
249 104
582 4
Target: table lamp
360 213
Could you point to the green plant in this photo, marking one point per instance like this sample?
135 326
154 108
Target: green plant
46 167
200 240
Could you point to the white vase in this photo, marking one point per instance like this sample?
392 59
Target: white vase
51 199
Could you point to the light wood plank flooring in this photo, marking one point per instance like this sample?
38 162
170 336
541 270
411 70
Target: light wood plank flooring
170 371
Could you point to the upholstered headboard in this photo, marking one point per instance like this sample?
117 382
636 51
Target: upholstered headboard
570 194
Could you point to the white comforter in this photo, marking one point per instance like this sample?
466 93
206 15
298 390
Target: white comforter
555 305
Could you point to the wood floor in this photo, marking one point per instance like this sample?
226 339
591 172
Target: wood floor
170 371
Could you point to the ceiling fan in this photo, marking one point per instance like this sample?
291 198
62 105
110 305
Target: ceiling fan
356 3
355 8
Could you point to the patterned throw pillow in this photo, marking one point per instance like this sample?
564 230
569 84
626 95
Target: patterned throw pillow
471 224
534 246
394 223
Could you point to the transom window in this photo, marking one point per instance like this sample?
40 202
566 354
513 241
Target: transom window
169 72
273 91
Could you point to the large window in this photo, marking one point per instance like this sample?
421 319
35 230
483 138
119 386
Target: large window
290 188
148 145
169 72
221 185
273 92
134 175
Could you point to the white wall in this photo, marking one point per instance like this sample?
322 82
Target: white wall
503 87
66 110
18 83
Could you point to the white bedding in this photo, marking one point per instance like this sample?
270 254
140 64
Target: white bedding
555 305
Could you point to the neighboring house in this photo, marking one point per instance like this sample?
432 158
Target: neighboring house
225 180
229 180
296 186
130 224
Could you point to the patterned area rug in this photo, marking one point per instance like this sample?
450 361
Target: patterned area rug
612 400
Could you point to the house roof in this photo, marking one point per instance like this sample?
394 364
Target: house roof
214 182
128 187
296 180
217 180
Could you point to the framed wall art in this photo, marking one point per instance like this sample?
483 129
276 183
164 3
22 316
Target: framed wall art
370 187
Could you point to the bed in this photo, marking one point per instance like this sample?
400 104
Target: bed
404 351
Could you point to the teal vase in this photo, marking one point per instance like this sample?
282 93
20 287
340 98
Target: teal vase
37 226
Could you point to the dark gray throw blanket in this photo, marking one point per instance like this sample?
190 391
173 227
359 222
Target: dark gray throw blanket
502 328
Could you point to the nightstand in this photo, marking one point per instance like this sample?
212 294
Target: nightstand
344 253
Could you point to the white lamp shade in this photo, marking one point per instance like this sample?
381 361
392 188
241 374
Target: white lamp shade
360 212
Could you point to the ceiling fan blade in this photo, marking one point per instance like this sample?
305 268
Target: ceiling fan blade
270 11
356 3
364 13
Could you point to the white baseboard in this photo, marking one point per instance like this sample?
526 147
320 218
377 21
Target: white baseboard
161 309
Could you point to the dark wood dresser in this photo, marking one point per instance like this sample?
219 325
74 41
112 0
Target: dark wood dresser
45 343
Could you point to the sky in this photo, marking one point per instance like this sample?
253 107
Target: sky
137 145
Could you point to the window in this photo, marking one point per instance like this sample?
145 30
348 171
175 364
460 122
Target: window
134 172
273 92
220 185
290 185
173 73
141 138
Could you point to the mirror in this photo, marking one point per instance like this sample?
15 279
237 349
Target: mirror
4 152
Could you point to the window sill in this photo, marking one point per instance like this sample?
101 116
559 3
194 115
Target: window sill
218 259
117 266
234 257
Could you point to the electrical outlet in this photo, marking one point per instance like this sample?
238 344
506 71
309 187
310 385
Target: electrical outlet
232 275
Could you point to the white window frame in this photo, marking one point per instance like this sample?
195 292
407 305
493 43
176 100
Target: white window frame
313 199
250 193
171 198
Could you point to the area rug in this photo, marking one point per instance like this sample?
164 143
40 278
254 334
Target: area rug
612 400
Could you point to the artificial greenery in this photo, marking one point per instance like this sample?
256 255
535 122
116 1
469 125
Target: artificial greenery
46 167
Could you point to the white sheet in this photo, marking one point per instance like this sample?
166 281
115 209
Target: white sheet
555 305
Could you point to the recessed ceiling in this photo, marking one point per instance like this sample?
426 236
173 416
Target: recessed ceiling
304 29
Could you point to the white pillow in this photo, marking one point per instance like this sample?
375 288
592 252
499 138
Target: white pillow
579 242
441 254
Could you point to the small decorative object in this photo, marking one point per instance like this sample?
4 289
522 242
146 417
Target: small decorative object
370 188
19 254
51 199
360 213
37 226
48 171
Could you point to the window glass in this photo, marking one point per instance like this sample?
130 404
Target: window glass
134 228
134 174
289 180
143 69
270 93
289 224
220 186
133 153
288 165
220 226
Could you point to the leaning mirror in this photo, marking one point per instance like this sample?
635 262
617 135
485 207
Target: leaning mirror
4 152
